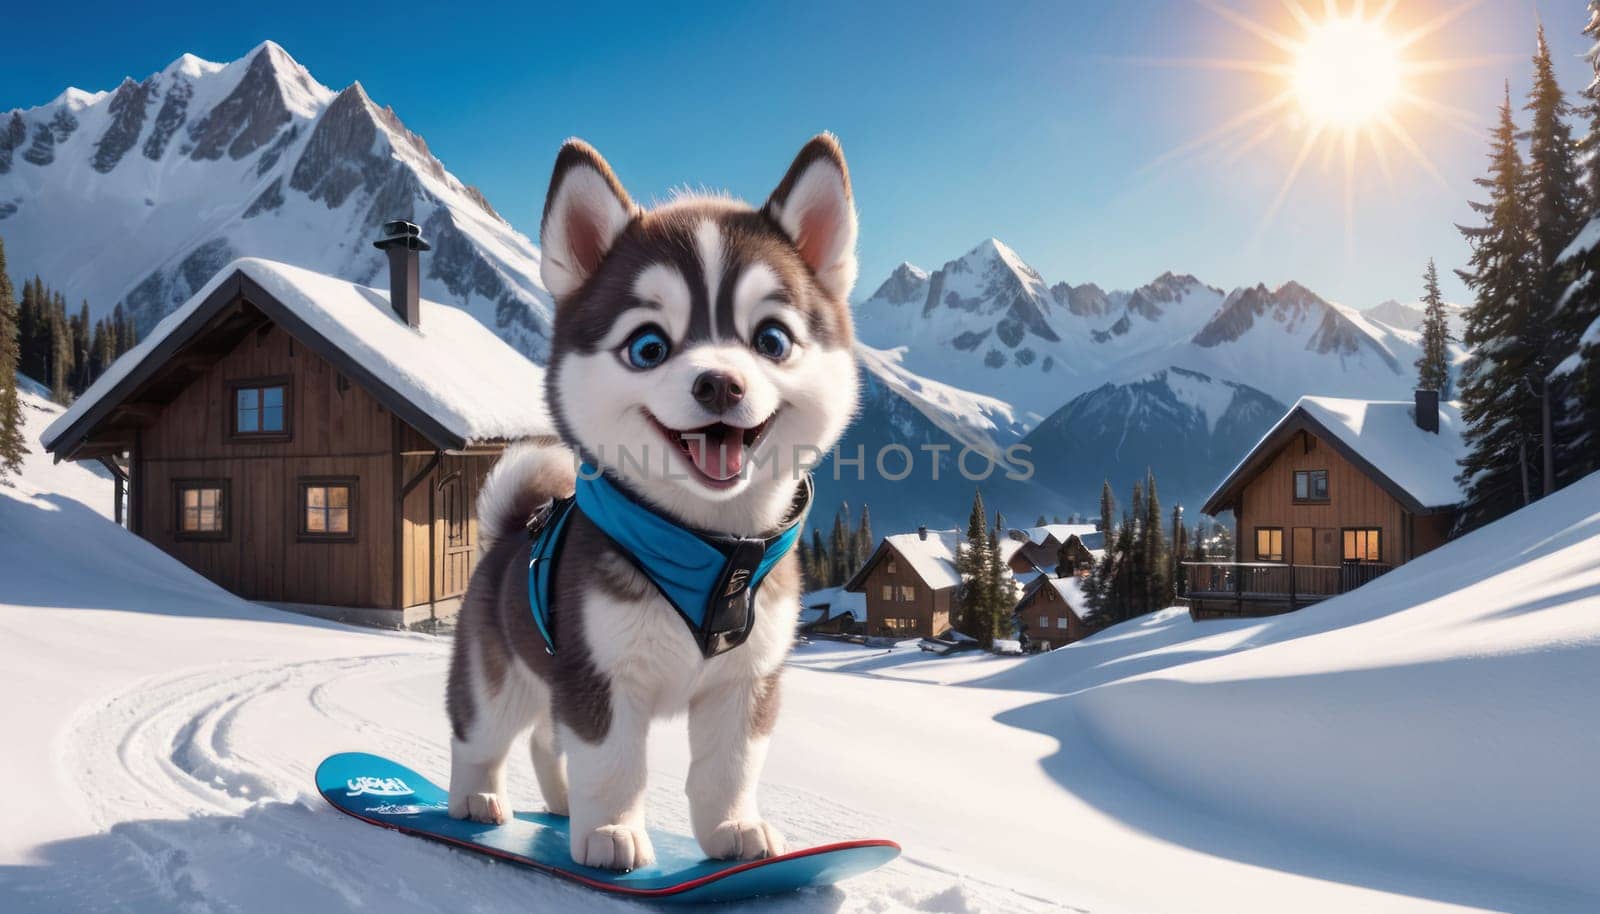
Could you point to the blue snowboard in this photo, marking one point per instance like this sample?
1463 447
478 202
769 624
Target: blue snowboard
377 790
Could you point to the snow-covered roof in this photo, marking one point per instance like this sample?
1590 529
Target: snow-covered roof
1094 540
1416 466
837 602
1039 535
933 559
451 368
1071 592
1067 588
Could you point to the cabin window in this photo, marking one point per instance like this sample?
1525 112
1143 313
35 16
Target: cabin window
890 567
908 593
1044 621
899 626
1310 485
1061 622
1269 544
1363 544
328 509
888 593
202 508
260 408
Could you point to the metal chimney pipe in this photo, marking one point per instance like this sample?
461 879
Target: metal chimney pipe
1427 410
403 243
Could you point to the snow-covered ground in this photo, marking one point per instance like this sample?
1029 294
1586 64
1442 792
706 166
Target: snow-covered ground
1426 743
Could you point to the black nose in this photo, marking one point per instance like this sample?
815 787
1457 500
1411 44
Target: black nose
718 391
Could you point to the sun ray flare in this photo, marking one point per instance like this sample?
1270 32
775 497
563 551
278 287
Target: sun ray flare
1351 77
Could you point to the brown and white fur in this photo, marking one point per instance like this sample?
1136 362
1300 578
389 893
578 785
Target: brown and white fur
710 273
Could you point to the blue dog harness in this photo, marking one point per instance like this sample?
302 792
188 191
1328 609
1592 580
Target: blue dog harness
710 580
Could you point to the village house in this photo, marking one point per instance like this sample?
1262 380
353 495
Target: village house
1338 492
309 442
1054 611
910 582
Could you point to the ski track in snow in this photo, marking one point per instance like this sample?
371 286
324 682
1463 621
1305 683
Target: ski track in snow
170 773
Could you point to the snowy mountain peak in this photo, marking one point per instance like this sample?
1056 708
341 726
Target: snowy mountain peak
202 162
190 67
992 252
908 283
990 323
71 99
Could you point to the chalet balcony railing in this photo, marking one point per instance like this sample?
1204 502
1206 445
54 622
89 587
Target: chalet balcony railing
1277 581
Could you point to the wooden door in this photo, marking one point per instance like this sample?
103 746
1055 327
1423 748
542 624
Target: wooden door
1327 546
1302 554
453 544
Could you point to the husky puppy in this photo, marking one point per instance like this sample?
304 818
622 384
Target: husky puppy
702 356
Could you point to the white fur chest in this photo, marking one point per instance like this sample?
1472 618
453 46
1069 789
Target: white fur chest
645 648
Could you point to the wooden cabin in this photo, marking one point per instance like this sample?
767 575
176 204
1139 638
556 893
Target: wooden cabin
911 583
303 442
1053 611
1337 493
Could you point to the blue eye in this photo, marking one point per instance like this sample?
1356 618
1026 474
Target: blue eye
648 348
773 342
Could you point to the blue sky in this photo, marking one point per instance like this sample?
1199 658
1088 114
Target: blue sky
1037 123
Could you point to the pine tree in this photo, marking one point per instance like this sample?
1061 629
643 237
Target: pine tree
1589 110
33 331
821 573
1555 195
1134 576
971 564
60 351
1157 589
1576 350
998 587
1557 200
82 331
1501 470
12 443
1433 365
1121 601
99 351
864 541
1040 522
1108 509
839 549
127 332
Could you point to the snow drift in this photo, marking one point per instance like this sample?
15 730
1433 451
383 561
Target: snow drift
1442 716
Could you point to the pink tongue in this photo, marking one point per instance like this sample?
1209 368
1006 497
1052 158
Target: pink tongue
717 455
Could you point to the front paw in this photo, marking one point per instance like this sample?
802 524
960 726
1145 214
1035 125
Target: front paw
487 808
613 847
742 839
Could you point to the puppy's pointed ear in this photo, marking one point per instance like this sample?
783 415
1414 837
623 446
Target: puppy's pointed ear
814 207
584 213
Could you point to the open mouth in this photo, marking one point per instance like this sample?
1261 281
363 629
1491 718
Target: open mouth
716 451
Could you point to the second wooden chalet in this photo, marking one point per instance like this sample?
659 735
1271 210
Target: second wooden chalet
310 442
1338 492
911 584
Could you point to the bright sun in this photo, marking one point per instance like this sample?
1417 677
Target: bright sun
1341 80
1347 73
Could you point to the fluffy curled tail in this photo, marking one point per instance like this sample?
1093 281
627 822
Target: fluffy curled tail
523 480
